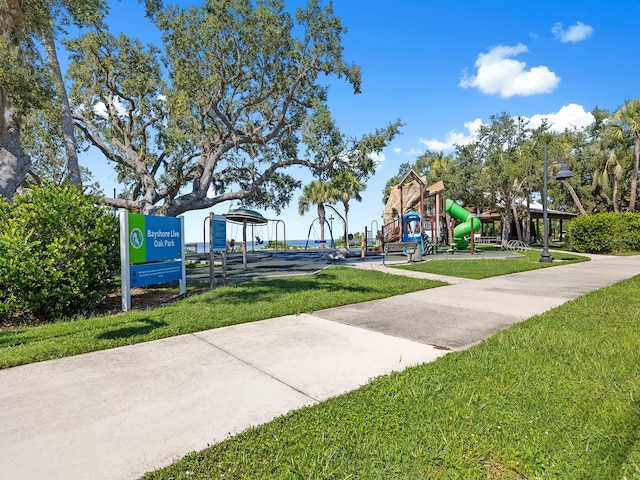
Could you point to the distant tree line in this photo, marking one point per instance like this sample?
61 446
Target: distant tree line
502 167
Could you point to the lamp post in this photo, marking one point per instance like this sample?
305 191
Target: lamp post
563 174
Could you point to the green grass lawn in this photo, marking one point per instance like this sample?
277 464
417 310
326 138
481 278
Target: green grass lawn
484 268
238 303
557 396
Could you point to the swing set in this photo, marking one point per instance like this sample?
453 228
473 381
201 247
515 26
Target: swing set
242 217
262 229
321 220
262 234
257 234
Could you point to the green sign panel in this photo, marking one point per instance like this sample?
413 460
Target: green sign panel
137 239
154 239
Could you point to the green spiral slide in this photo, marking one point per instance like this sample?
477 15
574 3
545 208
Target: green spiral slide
461 232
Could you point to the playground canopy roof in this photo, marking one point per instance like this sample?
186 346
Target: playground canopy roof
244 215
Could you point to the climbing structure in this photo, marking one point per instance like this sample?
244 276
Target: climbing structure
412 199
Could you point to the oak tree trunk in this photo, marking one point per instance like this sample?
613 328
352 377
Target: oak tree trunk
14 163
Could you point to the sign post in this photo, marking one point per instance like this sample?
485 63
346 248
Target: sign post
125 282
151 251
217 243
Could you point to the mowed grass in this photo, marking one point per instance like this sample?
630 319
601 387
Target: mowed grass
488 267
230 305
557 396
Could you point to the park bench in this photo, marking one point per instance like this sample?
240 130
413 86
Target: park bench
400 248
487 239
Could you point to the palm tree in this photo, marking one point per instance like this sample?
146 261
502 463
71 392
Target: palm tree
73 167
627 120
609 178
316 193
347 186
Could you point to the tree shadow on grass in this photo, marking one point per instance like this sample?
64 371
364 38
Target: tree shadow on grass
10 338
138 328
272 290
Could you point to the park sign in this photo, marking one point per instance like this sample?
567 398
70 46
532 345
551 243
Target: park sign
218 229
153 239
151 252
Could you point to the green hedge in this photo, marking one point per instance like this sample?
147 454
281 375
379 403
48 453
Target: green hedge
59 253
605 233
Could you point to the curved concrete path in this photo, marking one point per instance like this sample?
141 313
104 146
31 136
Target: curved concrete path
118 413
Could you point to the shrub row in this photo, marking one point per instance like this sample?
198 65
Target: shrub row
605 233
59 253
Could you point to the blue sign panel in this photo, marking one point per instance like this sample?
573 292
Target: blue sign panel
163 238
150 273
219 229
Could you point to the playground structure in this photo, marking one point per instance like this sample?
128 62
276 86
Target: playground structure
465 230
419 213
412 231
413 213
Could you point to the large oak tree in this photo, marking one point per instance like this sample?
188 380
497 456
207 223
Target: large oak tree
239 97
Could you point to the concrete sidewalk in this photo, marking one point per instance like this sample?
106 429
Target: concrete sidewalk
118 413
462 314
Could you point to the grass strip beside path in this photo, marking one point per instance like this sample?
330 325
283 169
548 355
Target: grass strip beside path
238 303
556 396
489 267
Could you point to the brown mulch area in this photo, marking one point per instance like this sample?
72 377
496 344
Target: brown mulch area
146 298
141 299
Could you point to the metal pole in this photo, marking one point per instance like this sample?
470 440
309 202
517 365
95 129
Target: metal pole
363 251
223 255
244 245
125 267
212 272
545 257
183 259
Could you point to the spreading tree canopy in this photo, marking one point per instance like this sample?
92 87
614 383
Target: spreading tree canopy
236 95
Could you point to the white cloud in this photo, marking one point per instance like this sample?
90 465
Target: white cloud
100 108
574 34
498 73
414 152
568 116
434 144
378 159
397 150
454 138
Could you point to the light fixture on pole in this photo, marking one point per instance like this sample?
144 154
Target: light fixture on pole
563 174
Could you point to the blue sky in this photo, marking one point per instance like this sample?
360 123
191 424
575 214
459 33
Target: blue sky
444 68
